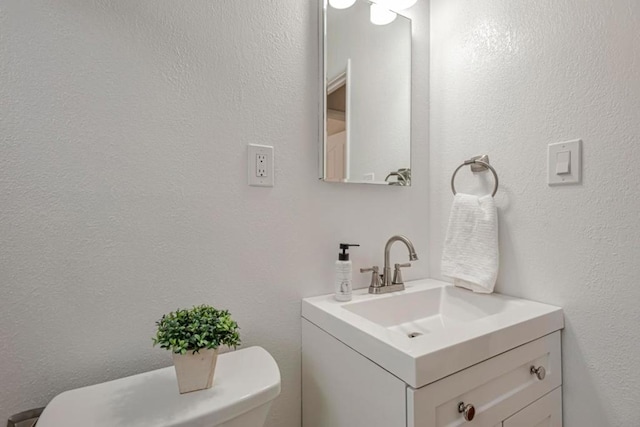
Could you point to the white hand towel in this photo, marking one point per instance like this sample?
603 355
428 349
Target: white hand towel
470 255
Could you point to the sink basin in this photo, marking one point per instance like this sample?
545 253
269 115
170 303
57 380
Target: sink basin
431 329
428 310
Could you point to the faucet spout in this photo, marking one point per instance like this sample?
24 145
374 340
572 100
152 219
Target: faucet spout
387 252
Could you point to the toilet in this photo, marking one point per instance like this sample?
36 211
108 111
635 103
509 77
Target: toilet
245 383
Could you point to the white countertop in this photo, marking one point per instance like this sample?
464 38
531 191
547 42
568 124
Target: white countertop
488 325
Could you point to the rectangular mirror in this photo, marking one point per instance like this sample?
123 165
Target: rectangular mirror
366 93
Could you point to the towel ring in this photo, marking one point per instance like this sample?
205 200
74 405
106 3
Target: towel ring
477 164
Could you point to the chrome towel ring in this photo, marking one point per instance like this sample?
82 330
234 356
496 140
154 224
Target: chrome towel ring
478 164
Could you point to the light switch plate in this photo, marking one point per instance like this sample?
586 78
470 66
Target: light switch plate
575 166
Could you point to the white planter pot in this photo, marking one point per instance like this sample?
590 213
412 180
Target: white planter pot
195 371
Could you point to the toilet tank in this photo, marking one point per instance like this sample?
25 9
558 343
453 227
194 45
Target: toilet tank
245 383
254 418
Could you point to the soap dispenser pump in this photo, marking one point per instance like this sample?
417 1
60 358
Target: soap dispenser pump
343 273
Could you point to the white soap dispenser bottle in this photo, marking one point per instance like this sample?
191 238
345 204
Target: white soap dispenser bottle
343 274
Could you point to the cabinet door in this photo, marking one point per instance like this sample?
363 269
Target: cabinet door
546 412
496 388
342 388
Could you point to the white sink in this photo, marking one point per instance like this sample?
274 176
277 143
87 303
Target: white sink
431 329
428 310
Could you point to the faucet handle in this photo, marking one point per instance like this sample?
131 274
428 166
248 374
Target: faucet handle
397 273
375 276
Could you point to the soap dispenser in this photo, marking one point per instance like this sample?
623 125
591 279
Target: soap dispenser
343 274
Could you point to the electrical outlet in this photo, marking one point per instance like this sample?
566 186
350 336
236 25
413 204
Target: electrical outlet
260 165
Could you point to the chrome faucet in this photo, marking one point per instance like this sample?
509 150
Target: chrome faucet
383 283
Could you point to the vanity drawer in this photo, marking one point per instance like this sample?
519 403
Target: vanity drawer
545 412
497 388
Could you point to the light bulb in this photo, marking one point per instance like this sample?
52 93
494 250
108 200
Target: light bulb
341 4
380 15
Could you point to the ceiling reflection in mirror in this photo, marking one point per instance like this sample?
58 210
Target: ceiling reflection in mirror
367 96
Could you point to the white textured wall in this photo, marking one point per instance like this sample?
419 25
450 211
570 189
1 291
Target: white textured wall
123 132
509 77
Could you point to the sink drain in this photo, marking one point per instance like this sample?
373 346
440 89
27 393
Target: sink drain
414 334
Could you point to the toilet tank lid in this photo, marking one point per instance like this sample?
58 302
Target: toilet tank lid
244 380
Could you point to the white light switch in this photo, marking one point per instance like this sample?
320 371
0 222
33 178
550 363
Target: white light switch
564 163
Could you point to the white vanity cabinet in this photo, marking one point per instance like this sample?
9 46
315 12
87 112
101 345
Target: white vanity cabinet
342 388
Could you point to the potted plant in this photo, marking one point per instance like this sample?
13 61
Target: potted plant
193 336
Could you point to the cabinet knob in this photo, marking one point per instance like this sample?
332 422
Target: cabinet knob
539 372
468 410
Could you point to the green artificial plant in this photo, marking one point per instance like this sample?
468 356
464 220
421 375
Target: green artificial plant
201 327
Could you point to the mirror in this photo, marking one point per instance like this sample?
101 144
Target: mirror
367 97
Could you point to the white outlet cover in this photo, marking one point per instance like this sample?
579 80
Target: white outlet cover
574 176
253 151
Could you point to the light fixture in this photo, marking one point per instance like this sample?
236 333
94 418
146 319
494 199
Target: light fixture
341 4
380 15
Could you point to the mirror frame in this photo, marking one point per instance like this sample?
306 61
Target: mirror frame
322 122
